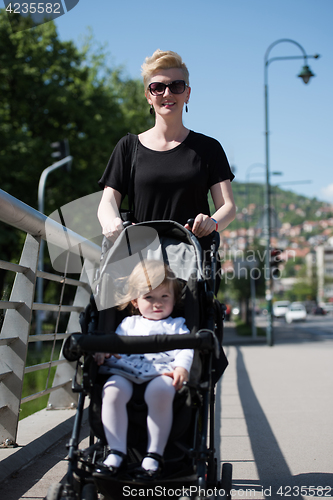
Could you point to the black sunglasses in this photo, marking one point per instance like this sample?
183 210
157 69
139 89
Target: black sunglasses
176 87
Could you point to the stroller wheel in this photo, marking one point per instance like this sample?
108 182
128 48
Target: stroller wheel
226 480
54 492
89 492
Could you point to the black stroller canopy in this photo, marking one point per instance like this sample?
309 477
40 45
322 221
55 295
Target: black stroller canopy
164 241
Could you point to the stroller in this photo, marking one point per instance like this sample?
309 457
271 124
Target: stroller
190 464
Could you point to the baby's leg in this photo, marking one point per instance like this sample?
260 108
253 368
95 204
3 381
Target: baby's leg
117 391
159 396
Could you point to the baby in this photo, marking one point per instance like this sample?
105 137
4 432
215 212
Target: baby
165 372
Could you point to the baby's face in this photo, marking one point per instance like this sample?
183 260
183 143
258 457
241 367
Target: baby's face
157 304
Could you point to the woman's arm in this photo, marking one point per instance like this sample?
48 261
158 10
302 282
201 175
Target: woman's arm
224 204
108 213
225 211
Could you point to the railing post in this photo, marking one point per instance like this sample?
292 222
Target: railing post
14 345
64 397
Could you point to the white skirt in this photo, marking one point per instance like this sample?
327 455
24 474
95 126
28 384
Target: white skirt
139 368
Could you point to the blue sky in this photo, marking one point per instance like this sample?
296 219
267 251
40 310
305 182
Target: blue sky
223 43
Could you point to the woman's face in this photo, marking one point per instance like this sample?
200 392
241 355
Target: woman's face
168 103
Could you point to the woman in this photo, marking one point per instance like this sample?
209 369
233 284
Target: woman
175 167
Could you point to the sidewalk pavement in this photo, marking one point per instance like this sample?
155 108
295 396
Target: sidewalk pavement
277 415
274 408
26 472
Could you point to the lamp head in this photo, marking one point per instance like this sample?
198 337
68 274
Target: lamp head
306 74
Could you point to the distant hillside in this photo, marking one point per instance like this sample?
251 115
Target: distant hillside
289 206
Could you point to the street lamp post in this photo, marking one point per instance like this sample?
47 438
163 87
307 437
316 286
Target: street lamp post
252 280
247 189
305 74
41 192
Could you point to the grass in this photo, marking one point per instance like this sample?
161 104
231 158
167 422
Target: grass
36 381
245 330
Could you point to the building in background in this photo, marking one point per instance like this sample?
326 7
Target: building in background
324 265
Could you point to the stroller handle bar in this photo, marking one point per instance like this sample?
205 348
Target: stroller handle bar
78 344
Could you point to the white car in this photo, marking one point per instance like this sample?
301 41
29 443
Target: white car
296 312
280 308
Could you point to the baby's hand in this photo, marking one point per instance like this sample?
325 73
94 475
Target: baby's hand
179 375
100 357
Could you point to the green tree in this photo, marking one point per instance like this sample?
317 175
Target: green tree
292 266
51 90
289 207
303 290
305 287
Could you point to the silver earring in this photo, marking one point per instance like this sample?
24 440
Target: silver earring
151 111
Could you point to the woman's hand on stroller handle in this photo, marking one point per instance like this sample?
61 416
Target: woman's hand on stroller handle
201 226
179 375
113 229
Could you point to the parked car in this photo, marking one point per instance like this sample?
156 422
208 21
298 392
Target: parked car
296 312
328 307
319 311
280 308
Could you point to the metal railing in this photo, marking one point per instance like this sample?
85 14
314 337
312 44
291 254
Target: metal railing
15 333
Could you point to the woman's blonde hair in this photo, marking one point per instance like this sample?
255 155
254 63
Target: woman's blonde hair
163 60
145 277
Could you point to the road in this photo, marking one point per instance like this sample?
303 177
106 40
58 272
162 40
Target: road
315 327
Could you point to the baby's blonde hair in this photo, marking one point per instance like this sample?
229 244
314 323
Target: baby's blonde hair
145 277
163 60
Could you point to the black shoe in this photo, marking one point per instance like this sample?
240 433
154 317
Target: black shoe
104 471
150 475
